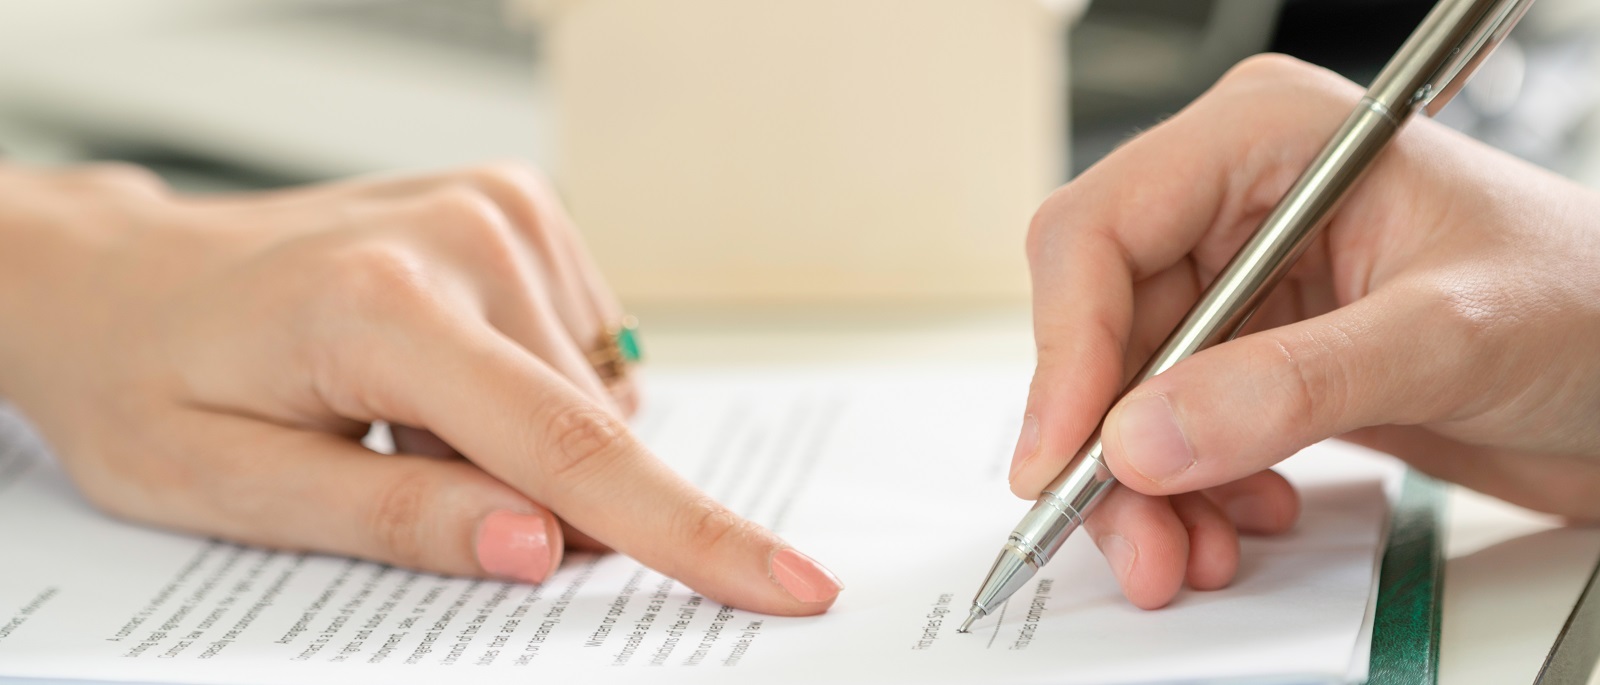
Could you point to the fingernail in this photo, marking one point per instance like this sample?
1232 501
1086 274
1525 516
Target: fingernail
1248 511
1027 444
1152 441
803 578
1119 553
514 546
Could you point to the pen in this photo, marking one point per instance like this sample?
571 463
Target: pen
1429 69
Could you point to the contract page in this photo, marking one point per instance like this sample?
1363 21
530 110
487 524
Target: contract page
893 479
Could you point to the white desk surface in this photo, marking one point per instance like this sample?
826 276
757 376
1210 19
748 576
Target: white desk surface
1512 575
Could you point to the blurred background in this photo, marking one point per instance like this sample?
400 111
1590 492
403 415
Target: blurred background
725 151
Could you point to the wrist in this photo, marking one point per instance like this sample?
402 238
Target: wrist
53 224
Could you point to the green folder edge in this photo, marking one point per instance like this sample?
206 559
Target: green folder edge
1405 629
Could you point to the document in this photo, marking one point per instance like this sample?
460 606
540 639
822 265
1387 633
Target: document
894 479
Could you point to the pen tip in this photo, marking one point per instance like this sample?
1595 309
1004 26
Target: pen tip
966 626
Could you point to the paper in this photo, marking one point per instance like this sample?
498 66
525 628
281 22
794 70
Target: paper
893 479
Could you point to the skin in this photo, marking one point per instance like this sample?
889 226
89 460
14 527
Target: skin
210 364
1447 315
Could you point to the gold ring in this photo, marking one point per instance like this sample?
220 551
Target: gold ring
616 350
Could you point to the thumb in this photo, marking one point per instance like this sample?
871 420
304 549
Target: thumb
1242 406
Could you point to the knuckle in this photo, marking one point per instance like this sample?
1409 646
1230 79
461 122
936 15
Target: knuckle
471 215
1278 76
382 275
1467 318
397 518
120 176
510 175
705 524
525 195
1268 67
1299 390
1258 115
1039 232
465 208
360 299
584 440
1466 324
1046 226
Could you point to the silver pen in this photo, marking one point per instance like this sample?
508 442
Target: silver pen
1432 65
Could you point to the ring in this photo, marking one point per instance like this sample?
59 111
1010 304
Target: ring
617 349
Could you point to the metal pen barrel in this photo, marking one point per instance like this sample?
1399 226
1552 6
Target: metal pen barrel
1450 42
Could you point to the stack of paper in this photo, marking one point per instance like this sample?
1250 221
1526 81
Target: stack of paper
893 479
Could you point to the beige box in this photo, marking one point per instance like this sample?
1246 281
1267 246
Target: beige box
808 150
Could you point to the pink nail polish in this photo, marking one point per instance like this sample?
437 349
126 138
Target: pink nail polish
804 578
514 546
1027 444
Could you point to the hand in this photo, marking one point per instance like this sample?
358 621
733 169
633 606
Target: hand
210 364
1448 315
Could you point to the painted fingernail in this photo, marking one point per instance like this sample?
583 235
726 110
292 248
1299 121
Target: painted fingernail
1152 441
1119 553
514 546
1027 444
803 578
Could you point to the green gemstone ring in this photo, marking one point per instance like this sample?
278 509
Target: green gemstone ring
626 337
618 348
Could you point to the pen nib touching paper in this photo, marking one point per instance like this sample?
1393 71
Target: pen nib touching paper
966 626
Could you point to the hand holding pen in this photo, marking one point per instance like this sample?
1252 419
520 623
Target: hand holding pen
1404 327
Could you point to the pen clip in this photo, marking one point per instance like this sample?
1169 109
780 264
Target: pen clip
1469 54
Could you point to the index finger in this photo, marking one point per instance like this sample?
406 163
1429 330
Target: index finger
524 423
1111 253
